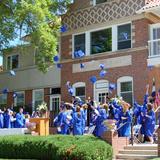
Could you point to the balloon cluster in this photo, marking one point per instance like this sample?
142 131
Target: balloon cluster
79 54
103 72
56 60
63 28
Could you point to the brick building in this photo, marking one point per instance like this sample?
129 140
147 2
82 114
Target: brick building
124 35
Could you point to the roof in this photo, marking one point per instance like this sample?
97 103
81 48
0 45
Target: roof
151 4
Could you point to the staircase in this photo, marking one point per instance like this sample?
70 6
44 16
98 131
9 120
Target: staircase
138 152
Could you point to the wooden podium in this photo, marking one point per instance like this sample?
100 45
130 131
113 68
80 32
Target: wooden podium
42 125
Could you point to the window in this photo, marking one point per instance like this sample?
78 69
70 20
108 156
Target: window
125 89
101 41
12 62
20 99
55 104
3 100
38 98
80 90
100 1
79 42
124 36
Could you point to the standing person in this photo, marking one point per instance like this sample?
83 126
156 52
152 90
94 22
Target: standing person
1 119
7 119
84 115
20 119
149 123
77 122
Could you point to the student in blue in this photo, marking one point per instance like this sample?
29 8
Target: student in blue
77 122
149 123
100 127
1 119
20 119
7 119
126 120
84 115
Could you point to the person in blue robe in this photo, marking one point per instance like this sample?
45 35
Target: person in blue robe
126 121
149 123
1 119
84 116
100 127
77 122
20 119
7 119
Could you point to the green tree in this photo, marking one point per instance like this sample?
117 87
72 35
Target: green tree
37 19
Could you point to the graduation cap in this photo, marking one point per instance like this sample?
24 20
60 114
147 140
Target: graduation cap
59 65
70 91
102 73
112 86
56 58
101 66
63 28
5 90
12 73
150 67
79 54
82 65
93 79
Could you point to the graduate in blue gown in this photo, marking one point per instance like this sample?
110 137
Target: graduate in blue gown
20 119
149 123
126 121
100 127
7 119
1 119
84 116
77 122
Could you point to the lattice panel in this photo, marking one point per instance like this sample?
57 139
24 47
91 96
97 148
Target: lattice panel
102 13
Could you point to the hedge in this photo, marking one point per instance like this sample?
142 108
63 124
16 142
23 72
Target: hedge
56 147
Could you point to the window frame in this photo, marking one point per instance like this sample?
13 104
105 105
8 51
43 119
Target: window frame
10 66
6 99
33 97
95 3
114 28
123 80
15 99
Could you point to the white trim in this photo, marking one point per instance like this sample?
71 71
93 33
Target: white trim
33 97
6 99
153 26
88 43
114 38
77 85
15 99
54 96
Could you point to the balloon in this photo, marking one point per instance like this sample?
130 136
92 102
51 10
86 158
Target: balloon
150 67
12 73
70 91
63 28
56 58
93 79
5 91
103 73
81 65
101 66
112 86
81 53
59 65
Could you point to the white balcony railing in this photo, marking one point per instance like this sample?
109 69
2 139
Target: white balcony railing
154 48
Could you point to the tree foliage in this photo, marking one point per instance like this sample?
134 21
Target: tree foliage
37 19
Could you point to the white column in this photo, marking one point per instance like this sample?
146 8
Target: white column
114 38
88 43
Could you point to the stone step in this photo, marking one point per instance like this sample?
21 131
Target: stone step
142 152
134 157
142 147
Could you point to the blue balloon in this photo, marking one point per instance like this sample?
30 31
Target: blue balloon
81 54
93 79
102 73
101 66
63 28
5 91
150 67
70 91
12 73
59 65
68 84
81 65
56 58
112 86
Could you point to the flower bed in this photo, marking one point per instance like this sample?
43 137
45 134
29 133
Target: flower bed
55 148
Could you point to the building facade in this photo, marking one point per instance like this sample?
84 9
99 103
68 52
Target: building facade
124 35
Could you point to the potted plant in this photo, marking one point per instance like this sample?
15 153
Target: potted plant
43 109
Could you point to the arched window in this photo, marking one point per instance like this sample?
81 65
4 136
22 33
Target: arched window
80 90
125 88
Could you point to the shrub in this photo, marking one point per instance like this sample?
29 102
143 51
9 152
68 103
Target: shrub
55 148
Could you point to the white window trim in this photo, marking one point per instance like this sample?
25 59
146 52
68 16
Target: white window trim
33 97
124 79
88 38
6 100
11 61
15 99
54 96
153 26
77 85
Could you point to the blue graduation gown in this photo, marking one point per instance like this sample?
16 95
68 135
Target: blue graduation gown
149 124
1 120
7 120
77 124
84 118
100 127
20 121
126 129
